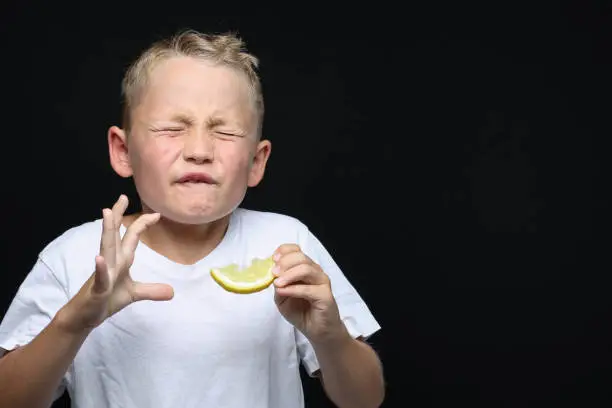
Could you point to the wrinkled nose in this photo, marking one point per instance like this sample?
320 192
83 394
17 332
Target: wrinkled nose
199 148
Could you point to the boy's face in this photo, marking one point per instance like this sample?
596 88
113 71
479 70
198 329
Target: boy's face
192 149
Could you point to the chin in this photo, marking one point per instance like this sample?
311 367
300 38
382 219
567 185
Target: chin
195 210
197 214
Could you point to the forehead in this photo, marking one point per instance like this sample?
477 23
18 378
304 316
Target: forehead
197 88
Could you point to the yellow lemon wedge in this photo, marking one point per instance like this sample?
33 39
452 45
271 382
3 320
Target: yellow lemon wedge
254 278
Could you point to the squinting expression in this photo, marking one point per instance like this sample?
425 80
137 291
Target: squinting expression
193 141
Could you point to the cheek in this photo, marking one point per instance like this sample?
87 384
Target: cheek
237 164
156 158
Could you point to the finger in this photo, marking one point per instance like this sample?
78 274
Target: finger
152 291
291 260
309 293
102 279
132 235
285 249
118 210
303 273
108 244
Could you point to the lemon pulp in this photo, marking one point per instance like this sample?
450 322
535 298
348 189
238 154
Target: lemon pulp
253 278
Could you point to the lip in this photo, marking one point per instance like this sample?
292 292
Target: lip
196 177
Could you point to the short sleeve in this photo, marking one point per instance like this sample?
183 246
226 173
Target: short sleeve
354 312
38 299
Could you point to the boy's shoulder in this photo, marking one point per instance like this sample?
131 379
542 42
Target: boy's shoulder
82 238
271 225
268 219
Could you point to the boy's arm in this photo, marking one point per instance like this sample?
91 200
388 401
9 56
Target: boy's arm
30 375
351 373
350 369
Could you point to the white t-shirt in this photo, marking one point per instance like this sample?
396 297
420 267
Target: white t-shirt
204 348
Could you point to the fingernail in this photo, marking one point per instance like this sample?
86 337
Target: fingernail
279 281
276 270
276 257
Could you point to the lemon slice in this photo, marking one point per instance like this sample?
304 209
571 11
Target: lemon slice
254 278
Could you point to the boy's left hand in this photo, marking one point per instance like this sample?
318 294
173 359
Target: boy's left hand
304 297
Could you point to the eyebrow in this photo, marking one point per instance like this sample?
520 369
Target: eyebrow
215 121
183 119
188 120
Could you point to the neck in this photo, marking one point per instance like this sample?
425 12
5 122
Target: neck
182 243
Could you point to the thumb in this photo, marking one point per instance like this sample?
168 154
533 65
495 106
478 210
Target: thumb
278 299
151 291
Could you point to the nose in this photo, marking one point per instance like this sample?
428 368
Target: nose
199 148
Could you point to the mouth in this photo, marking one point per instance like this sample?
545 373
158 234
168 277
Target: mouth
196 178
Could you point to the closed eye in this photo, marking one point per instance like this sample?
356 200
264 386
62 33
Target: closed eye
229 134
168 131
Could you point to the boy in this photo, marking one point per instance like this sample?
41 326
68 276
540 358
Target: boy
191 139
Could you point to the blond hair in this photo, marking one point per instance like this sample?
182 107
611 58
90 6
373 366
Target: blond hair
223 49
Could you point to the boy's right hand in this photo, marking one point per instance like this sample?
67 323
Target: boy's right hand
111 288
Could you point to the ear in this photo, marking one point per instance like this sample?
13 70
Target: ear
118 152
260 159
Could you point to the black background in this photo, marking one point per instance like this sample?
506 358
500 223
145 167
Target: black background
450 155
